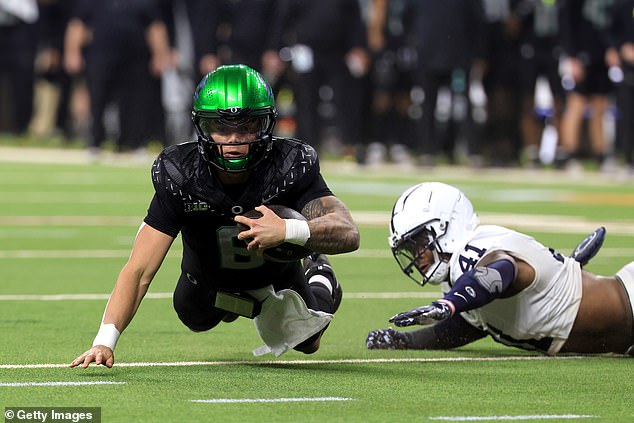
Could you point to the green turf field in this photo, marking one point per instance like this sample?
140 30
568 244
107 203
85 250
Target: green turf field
66 230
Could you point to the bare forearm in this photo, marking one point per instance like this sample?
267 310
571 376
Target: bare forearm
125 299
158 39
332 229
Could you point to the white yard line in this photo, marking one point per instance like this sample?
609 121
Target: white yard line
497 418
295 362
259 400
95 382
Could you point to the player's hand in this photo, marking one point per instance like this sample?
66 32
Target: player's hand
99 354
264 232
426 315
386 339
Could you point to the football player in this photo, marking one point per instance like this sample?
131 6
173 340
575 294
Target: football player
201 190
501 283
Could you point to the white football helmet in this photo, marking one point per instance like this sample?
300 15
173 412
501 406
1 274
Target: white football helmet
430 215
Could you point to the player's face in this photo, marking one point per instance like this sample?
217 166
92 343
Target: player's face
424 258
235 139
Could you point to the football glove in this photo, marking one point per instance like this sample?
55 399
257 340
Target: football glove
435 312
386 339
589 247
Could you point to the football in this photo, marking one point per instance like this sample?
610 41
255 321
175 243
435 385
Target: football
285 252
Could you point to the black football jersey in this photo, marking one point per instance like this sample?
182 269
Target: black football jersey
190 200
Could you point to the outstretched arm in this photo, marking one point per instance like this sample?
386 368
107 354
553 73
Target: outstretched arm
451 333
150 248
472 290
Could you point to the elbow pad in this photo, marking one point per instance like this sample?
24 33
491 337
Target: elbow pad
481 285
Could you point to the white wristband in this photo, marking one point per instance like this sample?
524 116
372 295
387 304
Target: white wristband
108 335
297 231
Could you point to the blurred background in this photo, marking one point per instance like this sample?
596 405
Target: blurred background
413 83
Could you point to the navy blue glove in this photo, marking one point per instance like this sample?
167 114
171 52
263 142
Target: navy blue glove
435 312
386 339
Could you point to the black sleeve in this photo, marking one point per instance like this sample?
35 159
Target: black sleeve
451 333
163 216
313 186
165 212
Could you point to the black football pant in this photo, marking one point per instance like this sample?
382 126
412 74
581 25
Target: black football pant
193 302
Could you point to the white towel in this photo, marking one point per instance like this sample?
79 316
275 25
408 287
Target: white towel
285 321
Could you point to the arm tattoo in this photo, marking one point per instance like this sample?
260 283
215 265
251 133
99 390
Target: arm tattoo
332 229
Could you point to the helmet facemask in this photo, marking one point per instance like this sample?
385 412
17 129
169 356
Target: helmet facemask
242 123
412 246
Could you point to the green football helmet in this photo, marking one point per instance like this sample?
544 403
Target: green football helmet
234 98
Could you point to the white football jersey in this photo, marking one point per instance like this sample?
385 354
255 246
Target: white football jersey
540 316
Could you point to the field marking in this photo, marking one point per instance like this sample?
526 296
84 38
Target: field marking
96 382
60 155
168 295
529 417
250 400
71 220
125 253
177 253
295 362
541 223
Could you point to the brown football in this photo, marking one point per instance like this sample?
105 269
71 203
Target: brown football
285 252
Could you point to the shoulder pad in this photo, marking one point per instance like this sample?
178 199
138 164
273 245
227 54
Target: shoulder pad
175 167
293 160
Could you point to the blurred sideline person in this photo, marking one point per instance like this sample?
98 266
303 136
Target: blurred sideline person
584 26
18 45
443 72
201 189
390 131
620 57
325 43
126 48
542 92
501 283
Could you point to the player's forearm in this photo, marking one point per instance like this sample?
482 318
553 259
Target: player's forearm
332 229
451 333
125 298
158 39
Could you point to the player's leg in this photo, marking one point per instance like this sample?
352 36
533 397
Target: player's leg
322 282
193 304
321 291
626 276
571 128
